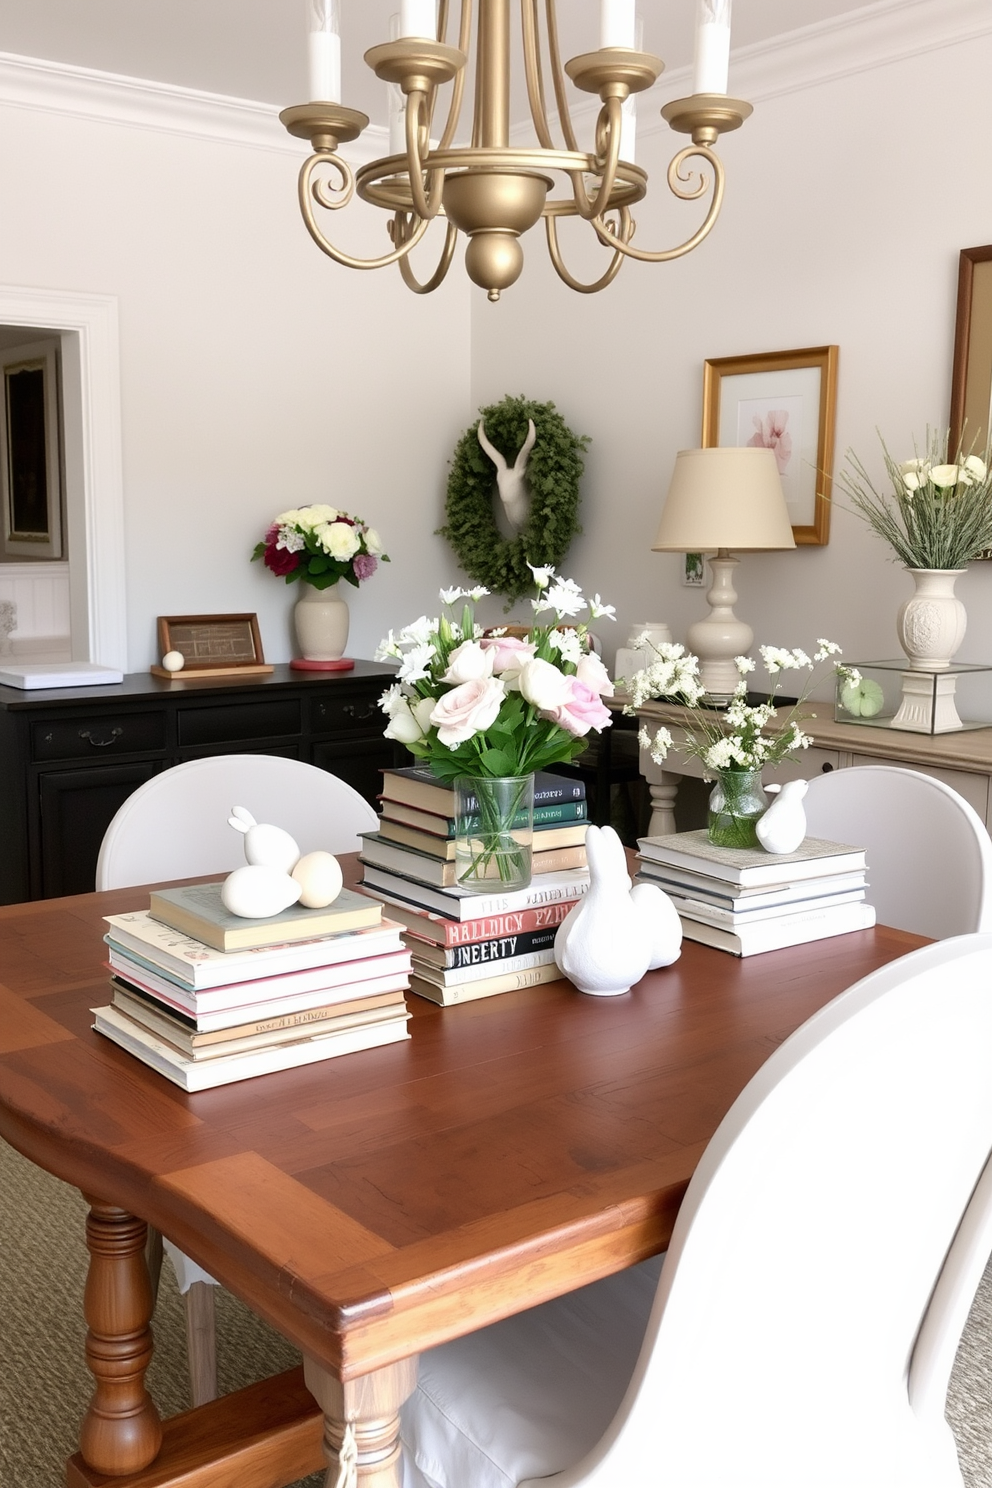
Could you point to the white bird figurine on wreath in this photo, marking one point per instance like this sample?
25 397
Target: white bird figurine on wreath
615 933
783 826
511 480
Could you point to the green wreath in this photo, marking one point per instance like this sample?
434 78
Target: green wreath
553 472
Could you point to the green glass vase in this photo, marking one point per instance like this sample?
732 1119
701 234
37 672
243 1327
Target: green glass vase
737 802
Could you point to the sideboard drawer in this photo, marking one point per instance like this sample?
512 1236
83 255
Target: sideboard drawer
347 711
99 737
268 718
974 788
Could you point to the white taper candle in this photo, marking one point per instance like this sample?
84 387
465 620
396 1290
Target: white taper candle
712 63
617 23
324 51
418 18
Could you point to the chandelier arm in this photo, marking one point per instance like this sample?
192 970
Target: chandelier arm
321 157
558 77
626 229
444 263
607 236
458 85
532 69
427 203
608 133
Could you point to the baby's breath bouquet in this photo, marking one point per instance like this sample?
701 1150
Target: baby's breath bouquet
733 743
938 514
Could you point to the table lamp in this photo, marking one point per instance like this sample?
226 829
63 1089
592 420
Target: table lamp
720 499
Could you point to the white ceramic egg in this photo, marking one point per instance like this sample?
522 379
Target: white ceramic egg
173 661
319 877
257 891
264 844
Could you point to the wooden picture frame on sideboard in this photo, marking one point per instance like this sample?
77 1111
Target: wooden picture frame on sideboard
211 646
971 378
747 398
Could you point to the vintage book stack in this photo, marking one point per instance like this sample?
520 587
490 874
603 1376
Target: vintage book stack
466 946
207 998
748 901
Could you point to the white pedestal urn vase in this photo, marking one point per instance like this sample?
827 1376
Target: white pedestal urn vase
321 621
931 625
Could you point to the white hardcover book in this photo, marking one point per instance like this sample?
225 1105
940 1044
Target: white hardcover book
734 897
790 930
751 866
457 904
453 976
192 964
29 675
710 914
192 1075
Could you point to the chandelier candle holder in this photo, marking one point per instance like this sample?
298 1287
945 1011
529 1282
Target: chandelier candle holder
488 189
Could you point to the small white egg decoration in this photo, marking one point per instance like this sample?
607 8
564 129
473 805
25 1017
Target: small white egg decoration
264 844
173 661
319 877
256 891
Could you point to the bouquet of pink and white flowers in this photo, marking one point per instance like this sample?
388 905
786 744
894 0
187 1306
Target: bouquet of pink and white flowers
320 545
487 703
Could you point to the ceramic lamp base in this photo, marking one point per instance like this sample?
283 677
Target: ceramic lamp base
342 664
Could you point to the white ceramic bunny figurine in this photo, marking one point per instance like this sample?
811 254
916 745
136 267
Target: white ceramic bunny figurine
275 875
614 934
783 826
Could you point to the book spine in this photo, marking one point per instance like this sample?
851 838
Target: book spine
489 987
460 976
481 952
466 933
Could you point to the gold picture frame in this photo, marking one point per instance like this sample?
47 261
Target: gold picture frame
971 378
212 646
781 399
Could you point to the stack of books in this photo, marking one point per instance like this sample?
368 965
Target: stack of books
467 946
748 901
206 998
416 836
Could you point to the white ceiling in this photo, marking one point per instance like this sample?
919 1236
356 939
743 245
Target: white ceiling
256 48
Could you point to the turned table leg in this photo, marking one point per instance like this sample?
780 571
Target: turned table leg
121 1431
362 1422
663 790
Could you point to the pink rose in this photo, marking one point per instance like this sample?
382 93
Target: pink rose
580 711
510 653
591 671
467 710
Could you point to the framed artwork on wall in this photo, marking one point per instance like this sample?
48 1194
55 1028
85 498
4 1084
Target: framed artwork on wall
971 382
30 458
785 401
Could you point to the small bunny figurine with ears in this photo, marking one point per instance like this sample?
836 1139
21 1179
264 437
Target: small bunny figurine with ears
615 933
275 875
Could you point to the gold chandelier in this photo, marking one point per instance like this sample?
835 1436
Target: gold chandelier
490 189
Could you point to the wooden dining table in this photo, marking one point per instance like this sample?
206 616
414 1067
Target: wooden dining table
373 1206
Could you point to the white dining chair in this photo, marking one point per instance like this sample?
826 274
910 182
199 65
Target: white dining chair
929 853
819 1277
175 826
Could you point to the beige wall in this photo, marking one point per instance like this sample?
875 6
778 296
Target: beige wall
255 375
847 203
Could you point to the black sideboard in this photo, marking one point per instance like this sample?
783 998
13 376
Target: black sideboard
70 757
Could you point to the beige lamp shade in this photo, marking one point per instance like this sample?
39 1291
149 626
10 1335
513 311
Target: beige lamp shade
724 498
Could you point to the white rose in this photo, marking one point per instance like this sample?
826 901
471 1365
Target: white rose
408 723
467 662
973 470
373 542
320 513
288 518
593 673
339 539
944 475
466 710
542 684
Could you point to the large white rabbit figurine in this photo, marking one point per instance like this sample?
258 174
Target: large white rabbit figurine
783 826
615 934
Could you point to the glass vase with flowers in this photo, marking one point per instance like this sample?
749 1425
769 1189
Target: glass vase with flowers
486 709
737 743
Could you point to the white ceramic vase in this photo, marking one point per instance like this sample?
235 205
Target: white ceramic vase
321 621
931 624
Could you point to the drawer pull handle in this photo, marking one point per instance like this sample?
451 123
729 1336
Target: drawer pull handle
101 743
352 710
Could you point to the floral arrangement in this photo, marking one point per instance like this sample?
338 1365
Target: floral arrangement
938 515
485 703
731 738
320 545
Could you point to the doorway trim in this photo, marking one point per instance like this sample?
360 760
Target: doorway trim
94 489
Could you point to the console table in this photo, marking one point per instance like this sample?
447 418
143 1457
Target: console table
69 757
961 760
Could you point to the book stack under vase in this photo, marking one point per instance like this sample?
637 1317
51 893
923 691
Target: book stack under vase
747 901
468 945
206 998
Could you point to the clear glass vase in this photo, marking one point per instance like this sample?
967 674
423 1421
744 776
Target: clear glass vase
737 801
494 830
